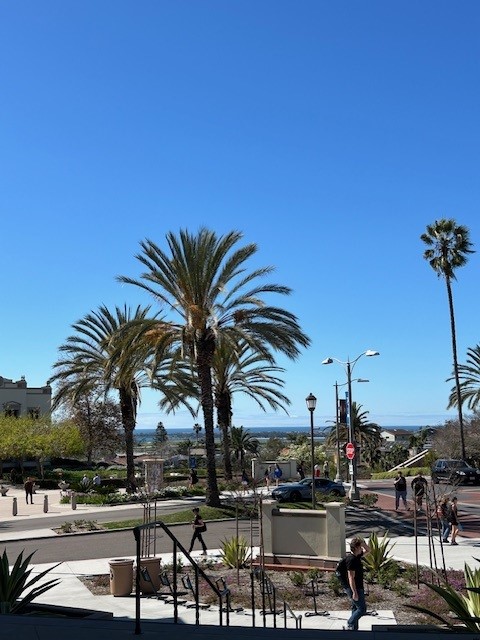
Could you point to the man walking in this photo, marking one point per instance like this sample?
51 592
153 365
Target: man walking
419 488
400 485
355 590
28 486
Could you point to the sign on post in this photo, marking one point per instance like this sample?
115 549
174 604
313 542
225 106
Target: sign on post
350 450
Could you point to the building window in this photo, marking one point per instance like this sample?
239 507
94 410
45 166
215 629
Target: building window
11 409
34 412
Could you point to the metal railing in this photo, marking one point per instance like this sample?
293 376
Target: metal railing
268 592
198 572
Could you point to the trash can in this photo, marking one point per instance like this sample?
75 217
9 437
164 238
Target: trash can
121 576
153 567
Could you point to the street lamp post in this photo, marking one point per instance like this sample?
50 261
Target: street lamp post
311 404
348 365
338 477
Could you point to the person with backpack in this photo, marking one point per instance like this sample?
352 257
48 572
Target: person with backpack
350 573
199 527
400 485
419 488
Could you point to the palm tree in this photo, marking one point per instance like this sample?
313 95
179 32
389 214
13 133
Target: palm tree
203 281
243 442
469 374
243 371
448 247
89 366
367 434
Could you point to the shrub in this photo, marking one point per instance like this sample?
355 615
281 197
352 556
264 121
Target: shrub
464 607
297 577
378 558
235 552
13 584
335 585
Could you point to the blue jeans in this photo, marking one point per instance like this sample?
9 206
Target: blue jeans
446 529
359 608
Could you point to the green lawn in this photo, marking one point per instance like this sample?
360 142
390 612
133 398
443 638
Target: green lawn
179 517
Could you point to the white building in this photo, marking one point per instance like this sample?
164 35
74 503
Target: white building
17 399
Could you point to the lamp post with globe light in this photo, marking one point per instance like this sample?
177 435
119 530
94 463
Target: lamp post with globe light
311 404
348 366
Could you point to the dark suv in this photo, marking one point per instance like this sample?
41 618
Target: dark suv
455 472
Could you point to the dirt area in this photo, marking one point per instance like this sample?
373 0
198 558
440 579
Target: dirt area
296 590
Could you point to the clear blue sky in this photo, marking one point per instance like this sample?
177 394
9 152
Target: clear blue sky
329 133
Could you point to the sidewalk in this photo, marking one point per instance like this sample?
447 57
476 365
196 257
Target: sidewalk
72 592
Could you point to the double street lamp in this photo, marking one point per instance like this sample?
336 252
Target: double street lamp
311 404
348 366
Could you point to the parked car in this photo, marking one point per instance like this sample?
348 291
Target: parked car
302 490
455 472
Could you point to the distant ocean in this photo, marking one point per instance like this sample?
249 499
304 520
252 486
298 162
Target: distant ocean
258 432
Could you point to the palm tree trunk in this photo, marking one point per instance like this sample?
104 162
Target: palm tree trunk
455 365
128 410
204 358
224 419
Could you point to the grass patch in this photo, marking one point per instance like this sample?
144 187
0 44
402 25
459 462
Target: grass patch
179 517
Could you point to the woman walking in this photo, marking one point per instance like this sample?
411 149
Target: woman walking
199 527
453 520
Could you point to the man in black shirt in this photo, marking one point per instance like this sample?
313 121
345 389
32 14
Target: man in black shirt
400 485
419 488
353 561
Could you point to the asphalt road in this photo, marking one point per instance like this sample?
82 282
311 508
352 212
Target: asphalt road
117 544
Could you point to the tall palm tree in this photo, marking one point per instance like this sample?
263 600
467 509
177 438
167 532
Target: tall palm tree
204 282
243 371
88 366
448 247
469 374
243 442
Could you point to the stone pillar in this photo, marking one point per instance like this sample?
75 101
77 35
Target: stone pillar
335 529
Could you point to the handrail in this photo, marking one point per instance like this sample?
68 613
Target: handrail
269 589
198 571
298 619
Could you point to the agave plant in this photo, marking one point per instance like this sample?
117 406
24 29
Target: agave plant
15 582
378 558
235 552
465 608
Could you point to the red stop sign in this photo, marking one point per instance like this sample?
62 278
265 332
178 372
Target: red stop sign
350 450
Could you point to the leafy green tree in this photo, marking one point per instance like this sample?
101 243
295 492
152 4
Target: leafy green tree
469 374
203 281
243 371
448 248
24 437
98 421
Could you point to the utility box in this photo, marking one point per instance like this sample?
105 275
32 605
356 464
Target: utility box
121 576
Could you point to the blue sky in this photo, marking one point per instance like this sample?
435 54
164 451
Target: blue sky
329 133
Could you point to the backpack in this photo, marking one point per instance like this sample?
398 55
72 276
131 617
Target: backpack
341 572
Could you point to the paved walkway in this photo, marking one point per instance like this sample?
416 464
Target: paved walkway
72 592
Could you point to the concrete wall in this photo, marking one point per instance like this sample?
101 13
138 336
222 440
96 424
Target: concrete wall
304 533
